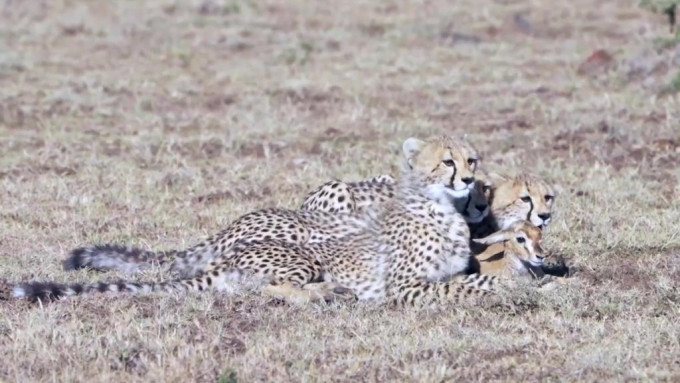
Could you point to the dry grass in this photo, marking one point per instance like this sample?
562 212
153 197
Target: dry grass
158 122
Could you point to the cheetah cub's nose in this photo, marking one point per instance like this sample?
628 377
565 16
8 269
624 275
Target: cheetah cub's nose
468 180
544 216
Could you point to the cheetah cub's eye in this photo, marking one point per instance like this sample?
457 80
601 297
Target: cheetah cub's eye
526 199
448 162
520 239
472 161
548 197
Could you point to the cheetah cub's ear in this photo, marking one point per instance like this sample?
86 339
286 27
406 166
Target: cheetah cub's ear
411 147
499 236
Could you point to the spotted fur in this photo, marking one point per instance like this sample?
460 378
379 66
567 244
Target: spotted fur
296 227
337 196
405 253
252 261
428 237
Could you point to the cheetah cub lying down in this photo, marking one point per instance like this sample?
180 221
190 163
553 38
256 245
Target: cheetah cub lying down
337 196
494 203
406 252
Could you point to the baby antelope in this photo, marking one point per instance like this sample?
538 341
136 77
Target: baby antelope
515 251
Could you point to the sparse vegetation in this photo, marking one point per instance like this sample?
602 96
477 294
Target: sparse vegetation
155 123
669 9
229 376
667 42
675 84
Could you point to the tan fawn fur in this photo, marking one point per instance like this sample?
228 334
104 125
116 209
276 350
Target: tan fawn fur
515 251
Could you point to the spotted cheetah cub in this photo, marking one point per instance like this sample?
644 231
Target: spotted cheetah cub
519 198
341 197
406 252
336 196
512 199
427 236
424 239
231 260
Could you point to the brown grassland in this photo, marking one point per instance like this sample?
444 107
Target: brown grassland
156 123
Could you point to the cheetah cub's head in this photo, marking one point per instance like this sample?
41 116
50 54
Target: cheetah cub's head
475 207
522 243
446 165
522 197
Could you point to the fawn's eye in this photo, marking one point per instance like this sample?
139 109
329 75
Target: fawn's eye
526 199
520 239
486 188
548 197
448 162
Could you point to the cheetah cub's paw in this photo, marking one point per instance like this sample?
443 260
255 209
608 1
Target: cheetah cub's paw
332 292
312 292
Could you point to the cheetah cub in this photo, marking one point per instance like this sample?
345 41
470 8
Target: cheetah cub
337 196
265 247
519 198
406 252
421 241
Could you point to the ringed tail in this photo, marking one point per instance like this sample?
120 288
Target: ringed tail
50 291
117 257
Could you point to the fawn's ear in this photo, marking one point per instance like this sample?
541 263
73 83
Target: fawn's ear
499 236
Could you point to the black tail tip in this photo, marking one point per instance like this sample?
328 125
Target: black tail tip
34 291
76 259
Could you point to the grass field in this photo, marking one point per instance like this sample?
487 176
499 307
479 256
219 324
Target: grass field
156 123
